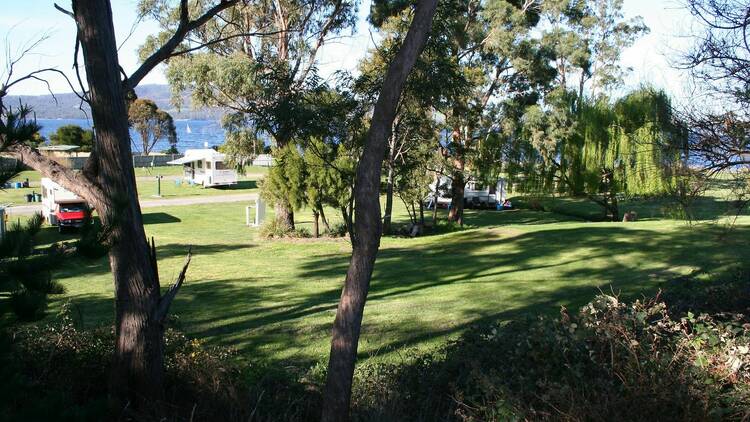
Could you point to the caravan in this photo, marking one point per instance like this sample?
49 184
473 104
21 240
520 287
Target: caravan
476 194
206 167
61 207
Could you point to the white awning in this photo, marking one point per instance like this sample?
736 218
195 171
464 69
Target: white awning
184 160
193 155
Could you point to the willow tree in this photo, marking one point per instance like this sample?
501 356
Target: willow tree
628 148
259 63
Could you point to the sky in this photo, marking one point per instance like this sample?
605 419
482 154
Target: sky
24 21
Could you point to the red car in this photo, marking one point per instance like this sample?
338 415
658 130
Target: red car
71 214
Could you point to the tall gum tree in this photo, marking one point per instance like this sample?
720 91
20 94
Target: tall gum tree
413 127
260 64
107 182
489 41
367 224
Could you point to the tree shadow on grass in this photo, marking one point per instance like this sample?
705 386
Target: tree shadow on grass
80 267
478 218
425 292
240 185
159 218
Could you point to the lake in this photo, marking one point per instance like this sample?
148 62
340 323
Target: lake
190 133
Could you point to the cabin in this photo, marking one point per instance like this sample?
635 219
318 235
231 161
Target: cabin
263 160
206 167
476 193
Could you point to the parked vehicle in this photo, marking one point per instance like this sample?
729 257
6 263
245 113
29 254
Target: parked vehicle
206 167
476 194
61 207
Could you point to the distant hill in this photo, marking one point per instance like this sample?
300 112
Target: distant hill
66 107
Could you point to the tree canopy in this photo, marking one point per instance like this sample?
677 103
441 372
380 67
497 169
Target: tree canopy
152 124
73 135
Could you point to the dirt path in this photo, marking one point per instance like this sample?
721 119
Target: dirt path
156 202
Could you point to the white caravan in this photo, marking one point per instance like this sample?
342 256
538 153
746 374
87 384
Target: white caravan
476 194
206 167
61 207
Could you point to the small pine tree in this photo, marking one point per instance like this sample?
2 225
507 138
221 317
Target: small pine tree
25 271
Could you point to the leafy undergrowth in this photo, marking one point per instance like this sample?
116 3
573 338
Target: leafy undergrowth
682 355
610 361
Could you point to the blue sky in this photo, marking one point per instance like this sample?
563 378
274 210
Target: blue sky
23 21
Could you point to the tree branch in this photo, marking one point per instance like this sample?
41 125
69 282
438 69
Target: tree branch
165 51
168 297
64 176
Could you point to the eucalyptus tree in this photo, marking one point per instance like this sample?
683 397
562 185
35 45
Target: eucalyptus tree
367 228
428 85
107 181
151 123
490 44
259 62
586 39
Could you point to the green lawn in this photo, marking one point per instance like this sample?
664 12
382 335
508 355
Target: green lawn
275 300
147 184
717 202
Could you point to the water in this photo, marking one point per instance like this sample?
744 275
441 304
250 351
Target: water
200 131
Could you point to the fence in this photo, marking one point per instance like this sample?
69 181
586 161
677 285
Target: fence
77 162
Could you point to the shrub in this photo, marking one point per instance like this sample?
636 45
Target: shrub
59 369
272 229
612 361
91 244
301 232
337 229
28 305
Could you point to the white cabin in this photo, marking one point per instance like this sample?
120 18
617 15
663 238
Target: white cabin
206 167
476 194
263 160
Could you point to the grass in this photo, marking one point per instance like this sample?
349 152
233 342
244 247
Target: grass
275 300
714 204
147 184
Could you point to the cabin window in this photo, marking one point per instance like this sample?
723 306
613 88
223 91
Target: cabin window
219 165
199 164
208 165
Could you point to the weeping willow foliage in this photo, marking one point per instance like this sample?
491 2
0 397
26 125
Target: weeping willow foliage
567 151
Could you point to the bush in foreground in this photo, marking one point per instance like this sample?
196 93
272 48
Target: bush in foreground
646 360
611 361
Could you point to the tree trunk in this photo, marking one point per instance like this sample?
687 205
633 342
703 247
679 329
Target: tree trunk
284 215
368 223
323 218
421 213
458 184
435 200
137 371
316 228
388 199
